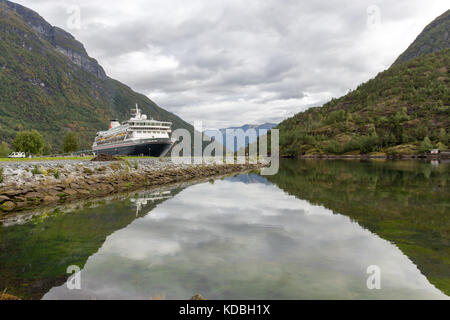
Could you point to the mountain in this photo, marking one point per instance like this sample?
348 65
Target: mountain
265 126
49 83
434 37
241 134
403 110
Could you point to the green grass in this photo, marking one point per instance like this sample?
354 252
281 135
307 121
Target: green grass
44 159
63 158
132 157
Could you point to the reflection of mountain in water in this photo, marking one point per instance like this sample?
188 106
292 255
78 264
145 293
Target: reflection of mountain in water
35 255
249 178
404 202
231 240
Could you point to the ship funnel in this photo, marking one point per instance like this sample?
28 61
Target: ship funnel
114 124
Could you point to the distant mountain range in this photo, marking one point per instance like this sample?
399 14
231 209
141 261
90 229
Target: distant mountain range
239 132
403 110
49 83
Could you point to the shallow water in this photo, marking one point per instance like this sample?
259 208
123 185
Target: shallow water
311 232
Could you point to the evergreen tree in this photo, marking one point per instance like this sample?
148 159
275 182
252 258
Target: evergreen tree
443 138
426 146
71 142
4 150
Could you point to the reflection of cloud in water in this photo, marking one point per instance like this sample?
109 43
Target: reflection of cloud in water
235 240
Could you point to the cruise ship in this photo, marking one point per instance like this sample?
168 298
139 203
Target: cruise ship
138 136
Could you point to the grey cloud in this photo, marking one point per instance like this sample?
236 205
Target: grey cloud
257 60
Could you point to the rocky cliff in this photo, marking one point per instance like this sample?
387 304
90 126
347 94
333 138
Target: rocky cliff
63 41
434 38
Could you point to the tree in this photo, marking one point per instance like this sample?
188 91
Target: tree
30 142
443 136
368 143
333 147
426 146
71 142
4 150
47 149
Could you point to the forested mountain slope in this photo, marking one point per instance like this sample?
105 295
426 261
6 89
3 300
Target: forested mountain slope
405 109
49 83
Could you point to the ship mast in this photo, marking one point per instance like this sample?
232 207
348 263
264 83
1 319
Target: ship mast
136 113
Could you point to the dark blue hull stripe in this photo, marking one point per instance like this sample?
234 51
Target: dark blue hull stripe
145 149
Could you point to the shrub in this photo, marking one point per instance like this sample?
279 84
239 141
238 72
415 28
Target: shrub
351 145
36 170
368 143
88 171
115 166
4 150
333 147
426 146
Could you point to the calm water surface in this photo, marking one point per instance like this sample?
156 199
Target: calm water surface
310 232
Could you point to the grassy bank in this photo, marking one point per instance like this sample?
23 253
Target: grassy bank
60 159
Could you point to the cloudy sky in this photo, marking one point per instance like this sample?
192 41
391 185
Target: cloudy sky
230 62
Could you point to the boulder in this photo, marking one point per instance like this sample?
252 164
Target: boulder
83 192
8 206
50 199
32 195
105 158
4 198
70 192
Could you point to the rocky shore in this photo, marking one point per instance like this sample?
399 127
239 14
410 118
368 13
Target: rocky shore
28 185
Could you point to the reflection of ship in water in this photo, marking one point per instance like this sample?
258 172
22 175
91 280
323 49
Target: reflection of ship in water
144 199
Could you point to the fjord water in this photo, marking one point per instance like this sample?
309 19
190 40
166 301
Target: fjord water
310 232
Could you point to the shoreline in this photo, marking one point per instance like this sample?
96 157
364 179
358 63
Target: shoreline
28 186
20 217
369 157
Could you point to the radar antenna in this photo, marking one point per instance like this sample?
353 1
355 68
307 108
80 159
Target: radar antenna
136 112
